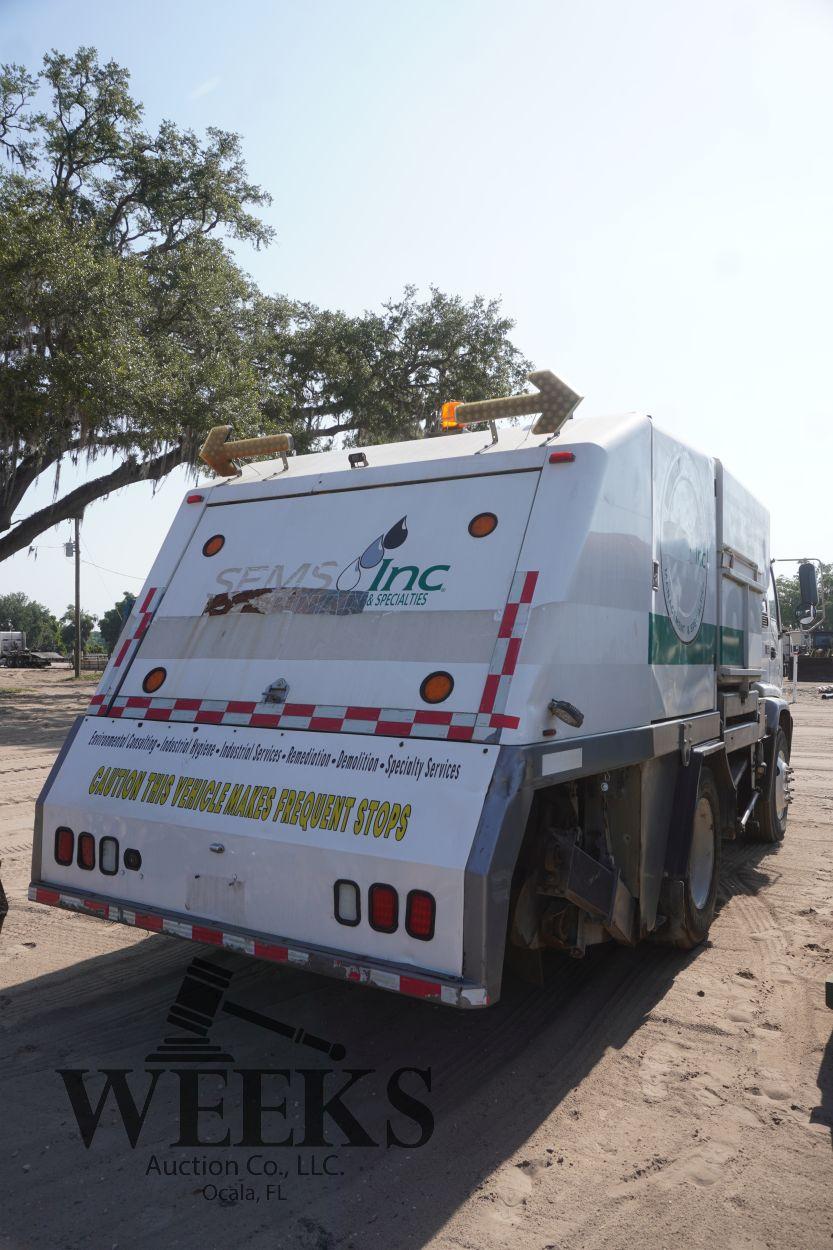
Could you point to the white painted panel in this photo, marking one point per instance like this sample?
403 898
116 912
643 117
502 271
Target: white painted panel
589 537
404 812
306 588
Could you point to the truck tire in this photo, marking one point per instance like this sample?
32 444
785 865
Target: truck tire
772 805
691 925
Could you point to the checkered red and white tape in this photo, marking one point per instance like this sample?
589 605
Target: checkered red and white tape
452 993
384 721
484 725
507 647
142 617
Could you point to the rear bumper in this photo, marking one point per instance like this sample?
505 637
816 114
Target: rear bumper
413 982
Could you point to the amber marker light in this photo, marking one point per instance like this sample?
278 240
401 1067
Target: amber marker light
447 415
214 544
436 688
153 680
483 524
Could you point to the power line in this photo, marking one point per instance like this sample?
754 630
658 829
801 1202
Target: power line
116 572
107 590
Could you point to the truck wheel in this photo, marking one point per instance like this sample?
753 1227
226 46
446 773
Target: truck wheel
703 872
773 805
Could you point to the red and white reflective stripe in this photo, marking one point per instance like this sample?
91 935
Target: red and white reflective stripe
453 994
507 647
383 721
485 725
140 619
136 629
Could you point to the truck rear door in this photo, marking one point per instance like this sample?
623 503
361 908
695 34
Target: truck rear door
343 602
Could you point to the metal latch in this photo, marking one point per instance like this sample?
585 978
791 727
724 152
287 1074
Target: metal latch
277 691
685 742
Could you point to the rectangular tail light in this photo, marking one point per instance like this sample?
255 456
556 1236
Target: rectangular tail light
108 856
86 851
64 846
347 902
384 908
420 914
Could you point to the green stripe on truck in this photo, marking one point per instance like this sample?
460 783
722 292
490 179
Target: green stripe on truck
664 647
731 646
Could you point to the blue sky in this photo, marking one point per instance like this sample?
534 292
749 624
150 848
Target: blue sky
647 185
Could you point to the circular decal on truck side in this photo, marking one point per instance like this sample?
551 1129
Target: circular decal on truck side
684 547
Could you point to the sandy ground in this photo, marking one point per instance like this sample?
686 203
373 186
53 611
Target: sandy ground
644 1098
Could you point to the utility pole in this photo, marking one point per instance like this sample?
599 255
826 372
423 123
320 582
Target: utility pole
78 596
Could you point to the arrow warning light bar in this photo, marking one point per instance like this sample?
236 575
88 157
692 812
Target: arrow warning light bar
219 454
554 400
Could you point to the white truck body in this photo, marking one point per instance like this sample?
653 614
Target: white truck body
627 577
12 640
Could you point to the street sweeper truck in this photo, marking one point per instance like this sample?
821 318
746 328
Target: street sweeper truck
402 714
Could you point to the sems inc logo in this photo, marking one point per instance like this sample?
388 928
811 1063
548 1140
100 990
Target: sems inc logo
264 1127
374 578
389 583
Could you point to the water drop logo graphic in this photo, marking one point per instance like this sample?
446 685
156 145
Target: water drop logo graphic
373 555
349 578
396 535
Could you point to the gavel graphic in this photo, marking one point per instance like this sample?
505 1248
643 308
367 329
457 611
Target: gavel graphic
195 1009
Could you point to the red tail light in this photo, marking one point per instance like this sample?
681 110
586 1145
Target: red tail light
384 908
86 850
420 912
562 457
64 845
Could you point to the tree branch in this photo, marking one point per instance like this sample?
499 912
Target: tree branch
63 509
16 482
337 429
312 412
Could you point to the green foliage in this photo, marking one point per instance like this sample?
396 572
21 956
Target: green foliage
111 623
18 611
95 644
127 327
379 377
124 320
68 628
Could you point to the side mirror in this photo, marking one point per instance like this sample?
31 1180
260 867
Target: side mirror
808 585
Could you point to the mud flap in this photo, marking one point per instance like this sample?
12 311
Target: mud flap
678 848
670 912
600 892
4 905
